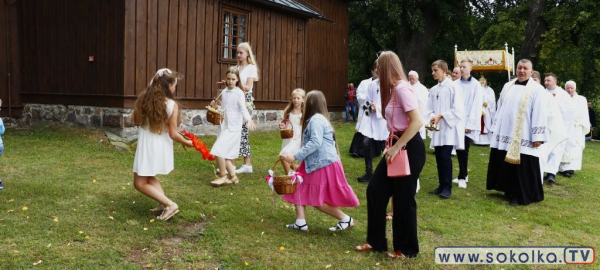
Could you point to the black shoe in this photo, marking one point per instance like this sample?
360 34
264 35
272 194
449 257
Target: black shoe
445 194
514 202
365 178
436 191
551 178
569 173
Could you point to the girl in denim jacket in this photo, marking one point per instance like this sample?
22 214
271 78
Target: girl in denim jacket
324 186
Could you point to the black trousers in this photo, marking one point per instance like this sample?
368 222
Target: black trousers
443 159
463 159
381 188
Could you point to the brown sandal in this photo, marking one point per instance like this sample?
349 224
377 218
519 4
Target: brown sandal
389 216
220 181
363 248
396 255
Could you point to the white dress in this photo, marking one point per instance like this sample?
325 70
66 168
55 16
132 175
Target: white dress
154 152
291 146
229 134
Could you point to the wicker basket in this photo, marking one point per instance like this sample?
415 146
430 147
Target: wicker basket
288 131
282 184
213 115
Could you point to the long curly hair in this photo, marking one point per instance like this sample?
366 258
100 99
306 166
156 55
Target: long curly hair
151 107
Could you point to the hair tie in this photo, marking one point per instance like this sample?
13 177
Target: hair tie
160 73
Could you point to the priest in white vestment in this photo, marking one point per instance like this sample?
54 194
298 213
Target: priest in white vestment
445 108
567 110
472 93
372 125
422 95
489 109
573 154
518 129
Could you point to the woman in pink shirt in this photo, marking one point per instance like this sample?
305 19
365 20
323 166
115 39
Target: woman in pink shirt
404 120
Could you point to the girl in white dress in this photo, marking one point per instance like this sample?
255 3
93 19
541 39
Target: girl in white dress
157 115
227 146
293 113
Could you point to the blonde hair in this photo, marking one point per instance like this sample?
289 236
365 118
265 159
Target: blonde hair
251 60
235 71
150 107
290 106
390 71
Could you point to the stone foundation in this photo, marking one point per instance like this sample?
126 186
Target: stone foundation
119 122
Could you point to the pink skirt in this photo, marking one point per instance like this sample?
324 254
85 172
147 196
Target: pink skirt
326 185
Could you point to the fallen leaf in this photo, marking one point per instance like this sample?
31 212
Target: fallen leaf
38 262
11 200
94 181
145 229
231 193
25 208
110 217
152 220
87 237
149 265
327 266
347 251
49 245
282 248
246 263
377 264
55 219
80 232
8 211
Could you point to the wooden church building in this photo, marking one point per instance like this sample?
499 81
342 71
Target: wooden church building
102 54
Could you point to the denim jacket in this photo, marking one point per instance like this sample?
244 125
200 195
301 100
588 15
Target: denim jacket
318 147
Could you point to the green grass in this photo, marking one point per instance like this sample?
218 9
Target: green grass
83 212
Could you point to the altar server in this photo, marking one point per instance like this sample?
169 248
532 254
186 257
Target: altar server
573 154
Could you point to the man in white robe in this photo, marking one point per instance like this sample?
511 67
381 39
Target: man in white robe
567 111
445 108
518 129
372 125
472 94
422 95
456 74
573 154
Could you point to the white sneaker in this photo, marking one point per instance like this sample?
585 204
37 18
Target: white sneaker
455 180
418 186
467 179
244 169
462 183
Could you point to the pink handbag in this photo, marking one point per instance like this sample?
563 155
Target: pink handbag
399 167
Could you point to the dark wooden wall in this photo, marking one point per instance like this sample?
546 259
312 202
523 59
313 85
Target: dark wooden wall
184 35
57 38
9 60
327 52
131 39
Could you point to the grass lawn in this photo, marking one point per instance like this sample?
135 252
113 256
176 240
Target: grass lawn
69 202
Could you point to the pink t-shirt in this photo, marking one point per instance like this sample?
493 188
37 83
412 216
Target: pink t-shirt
405 101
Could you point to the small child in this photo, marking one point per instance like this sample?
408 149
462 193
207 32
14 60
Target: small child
293 113
157 115
324 186
1 143
227 146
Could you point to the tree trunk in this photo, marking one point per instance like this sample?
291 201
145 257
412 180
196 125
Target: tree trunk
536 26
414 45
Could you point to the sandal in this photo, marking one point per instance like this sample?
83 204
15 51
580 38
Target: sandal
396 255
363 248
158 208
294 226
169 212
340 226
220 181
389 216
233 180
